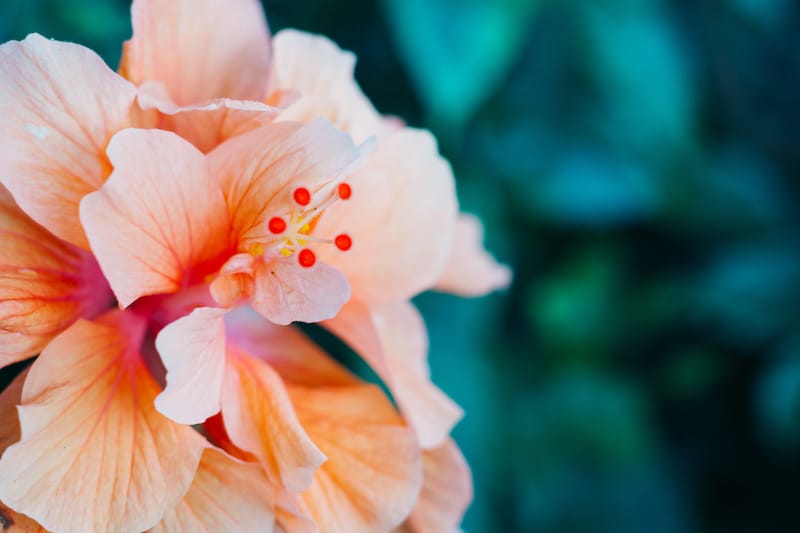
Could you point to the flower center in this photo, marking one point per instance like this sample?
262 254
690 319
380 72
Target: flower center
289 234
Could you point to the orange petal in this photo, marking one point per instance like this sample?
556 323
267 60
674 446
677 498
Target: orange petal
160 217
193 351
470 270
59 106
446 491
9 420
226 495
45 284
95 455
12 522
323 74
285 292
393 340
261 169
199 51
373 474
208 124
291 354
259 419
401 217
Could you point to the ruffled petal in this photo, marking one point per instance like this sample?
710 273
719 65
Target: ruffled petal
323 75
160 220
208 124
259 419
285 292
393 340
95 454
373 474
261 169
446 491
401 217
199 50
471 270
45 284
226 495
59 106
193 351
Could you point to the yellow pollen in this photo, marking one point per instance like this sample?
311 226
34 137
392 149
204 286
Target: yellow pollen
256 249
285 252
305 229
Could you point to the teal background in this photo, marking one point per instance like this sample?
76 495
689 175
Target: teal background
636 162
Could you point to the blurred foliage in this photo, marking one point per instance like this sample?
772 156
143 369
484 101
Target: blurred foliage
635 162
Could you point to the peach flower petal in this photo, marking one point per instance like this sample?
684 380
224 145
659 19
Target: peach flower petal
373 474
285 292
95 454
446 491
471 270
59 106
199 50
208 124
323 75
401 217
45 284
261 169
226 495
259 419
193 351
393 340
158 219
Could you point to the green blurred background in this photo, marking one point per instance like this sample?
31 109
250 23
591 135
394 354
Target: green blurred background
637 163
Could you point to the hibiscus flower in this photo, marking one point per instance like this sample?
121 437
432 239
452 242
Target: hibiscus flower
180 220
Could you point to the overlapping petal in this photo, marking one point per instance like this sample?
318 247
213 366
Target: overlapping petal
260 419
322 73
373 473
193 351
207 124
45 284
401 217
200 52
59 106
393 340
160 221
94 453
226 495
446 491
471 270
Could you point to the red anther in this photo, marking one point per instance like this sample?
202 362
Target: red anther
302 196
343 242
306 258
345 191
276 225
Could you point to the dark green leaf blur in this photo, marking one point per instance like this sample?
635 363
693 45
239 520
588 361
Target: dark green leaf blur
637 163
